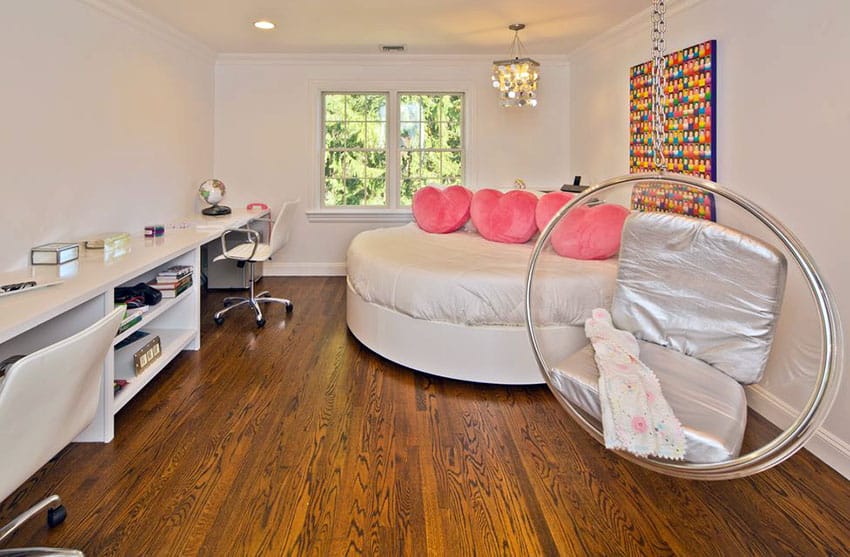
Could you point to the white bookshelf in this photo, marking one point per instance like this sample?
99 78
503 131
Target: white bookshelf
172 341
33 320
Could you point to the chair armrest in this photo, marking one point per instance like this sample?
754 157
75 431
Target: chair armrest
253 237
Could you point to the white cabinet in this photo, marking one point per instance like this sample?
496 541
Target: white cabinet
174 320
177 323
38 318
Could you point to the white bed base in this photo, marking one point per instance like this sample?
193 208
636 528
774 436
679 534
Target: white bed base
482 354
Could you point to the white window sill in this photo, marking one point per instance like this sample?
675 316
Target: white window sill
388 216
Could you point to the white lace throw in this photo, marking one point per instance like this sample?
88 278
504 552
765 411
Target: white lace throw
635 416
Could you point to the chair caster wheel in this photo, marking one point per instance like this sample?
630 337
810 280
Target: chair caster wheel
218 319
289 307
261 322
56 516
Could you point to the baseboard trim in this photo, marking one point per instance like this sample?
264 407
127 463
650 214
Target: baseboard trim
288 269
828 447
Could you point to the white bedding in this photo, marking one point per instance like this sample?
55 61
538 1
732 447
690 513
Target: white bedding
462 278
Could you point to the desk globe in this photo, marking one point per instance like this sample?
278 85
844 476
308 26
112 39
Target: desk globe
212 191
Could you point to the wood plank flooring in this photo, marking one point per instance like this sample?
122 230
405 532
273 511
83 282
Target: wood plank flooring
296 440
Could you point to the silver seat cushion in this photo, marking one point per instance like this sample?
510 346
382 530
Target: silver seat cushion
711 406
701 288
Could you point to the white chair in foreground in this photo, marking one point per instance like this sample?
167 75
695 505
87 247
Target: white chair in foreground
251 251
46 399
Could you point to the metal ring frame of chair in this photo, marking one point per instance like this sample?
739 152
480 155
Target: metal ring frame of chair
828 378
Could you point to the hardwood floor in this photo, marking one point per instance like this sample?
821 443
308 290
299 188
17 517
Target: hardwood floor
295 439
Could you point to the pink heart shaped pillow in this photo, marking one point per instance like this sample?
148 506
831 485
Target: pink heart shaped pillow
504 217
590 232
441 211
548 205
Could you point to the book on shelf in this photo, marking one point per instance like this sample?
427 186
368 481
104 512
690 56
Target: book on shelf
174 292
131 339
132 316
129 321
174 272
169 284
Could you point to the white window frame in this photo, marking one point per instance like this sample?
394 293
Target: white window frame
393 212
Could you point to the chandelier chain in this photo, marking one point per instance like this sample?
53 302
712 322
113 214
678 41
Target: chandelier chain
659 85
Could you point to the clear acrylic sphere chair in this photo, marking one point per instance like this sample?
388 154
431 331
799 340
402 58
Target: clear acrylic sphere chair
803 366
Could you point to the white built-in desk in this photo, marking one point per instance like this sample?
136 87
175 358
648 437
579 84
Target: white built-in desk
35 319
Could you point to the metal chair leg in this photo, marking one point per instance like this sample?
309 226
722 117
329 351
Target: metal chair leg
253 299
222 311
55 516
45 551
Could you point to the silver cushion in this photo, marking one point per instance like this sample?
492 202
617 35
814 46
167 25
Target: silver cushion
711 406
701 288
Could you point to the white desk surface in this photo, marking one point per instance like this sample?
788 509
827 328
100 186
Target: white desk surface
93 272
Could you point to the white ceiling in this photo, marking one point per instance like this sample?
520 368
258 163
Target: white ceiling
359 26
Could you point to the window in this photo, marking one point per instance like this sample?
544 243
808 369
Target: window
355 157
372 157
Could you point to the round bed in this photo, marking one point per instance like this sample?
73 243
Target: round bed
453 304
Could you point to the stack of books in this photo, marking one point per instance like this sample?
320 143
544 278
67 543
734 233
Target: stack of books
131 317
171 282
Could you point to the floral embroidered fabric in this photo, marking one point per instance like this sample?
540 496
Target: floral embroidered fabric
635 416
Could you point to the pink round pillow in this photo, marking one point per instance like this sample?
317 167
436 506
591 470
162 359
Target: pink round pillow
590 232
504 217
550 204
441 211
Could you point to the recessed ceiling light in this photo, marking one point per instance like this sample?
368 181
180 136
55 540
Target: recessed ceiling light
264 25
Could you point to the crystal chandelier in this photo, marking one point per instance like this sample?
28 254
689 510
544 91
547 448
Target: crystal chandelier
516 78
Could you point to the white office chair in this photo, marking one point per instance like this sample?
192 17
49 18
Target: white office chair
251 251
46 399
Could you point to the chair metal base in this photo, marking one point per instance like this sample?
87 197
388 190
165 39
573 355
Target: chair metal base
254 300
55 516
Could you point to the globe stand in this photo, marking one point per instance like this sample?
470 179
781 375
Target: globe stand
216 210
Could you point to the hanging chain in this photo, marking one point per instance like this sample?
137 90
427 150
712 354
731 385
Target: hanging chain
659 86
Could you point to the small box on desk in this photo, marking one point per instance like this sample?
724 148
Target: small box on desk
112 241
54 254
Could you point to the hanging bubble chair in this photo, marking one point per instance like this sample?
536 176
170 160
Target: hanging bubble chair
723 313
709 324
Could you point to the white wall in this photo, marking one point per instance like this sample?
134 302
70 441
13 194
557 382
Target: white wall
783 119
107 122
265 148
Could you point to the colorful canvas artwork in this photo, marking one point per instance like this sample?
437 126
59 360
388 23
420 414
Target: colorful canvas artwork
674 198
690 113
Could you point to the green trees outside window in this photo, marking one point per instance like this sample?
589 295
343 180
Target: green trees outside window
428 146
431 146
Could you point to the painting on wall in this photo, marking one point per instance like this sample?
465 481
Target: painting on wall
690 113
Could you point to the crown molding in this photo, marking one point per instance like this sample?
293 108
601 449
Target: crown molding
638 23
123 11
264 59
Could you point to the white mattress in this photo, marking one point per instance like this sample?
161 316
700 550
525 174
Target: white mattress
462 278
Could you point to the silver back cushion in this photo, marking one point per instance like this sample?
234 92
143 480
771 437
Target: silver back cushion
701 288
